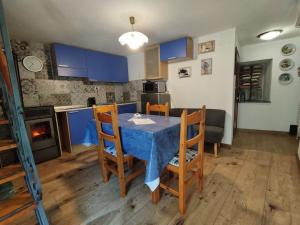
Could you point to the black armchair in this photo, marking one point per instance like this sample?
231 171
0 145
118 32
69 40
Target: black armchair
214 125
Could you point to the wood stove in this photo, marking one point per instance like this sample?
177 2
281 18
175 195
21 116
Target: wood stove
42 132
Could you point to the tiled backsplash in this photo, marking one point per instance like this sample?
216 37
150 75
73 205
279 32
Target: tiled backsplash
40 89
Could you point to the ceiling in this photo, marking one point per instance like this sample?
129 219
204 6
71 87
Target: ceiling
97 24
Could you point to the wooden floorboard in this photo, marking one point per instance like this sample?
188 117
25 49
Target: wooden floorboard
257 182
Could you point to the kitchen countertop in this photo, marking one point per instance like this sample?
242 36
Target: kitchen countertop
70 108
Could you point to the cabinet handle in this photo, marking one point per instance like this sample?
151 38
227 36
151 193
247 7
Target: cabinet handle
73 112
174 57
62 65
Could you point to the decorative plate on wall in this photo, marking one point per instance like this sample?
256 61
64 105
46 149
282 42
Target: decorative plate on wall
288 49
285 78
286 64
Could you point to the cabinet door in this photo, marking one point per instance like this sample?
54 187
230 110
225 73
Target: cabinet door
173 49
128 108
152 62
118 68
107 67
78 121
70 61
69 56
97 65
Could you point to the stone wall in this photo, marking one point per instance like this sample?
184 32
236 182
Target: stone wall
41 88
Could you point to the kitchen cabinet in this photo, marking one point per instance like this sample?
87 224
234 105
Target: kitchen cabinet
70 61
177 50
127 108
96 66
107 67
72 124
78 121
154 68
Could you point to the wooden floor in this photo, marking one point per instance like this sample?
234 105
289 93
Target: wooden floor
256 182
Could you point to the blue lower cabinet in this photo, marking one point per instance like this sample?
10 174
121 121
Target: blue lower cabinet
127 108
78 121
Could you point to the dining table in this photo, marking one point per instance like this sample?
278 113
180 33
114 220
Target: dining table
156 142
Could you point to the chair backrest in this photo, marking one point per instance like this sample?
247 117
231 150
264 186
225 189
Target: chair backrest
158 108
195 118
215 117
108 114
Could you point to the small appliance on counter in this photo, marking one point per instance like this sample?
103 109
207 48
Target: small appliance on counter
91 101
154 86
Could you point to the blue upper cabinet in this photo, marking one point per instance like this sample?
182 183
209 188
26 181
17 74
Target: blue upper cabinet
177 50
70 61
96 66
118 68
107 67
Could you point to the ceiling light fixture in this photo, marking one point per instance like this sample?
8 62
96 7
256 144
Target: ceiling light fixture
133 39
269 35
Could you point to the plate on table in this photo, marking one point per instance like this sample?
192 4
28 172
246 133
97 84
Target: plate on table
288 49
285 78
286 64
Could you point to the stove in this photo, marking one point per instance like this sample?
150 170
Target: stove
42 132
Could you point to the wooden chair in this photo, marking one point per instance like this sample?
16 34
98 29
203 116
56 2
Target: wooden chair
157 108
188 163
112 159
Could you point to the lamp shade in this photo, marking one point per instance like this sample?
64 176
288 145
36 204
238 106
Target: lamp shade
133 39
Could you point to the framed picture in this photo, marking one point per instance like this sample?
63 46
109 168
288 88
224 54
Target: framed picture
206 66
205 47
184 72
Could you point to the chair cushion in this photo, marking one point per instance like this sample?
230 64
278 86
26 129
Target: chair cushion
189 156
111 150
213 134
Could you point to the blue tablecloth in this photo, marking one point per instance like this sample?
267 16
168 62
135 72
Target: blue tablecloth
156 143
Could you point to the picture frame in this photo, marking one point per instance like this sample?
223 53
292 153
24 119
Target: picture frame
206 47
184 72
206 66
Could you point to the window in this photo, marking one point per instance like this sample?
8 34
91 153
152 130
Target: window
255 81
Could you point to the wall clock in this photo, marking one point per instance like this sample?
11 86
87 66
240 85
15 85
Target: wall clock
33 63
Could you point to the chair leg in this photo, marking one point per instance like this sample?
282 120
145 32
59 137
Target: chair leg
122 180
216 149
199 174
102 163
182 203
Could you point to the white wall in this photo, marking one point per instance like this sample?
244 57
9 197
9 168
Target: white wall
136 66
282 111
216 90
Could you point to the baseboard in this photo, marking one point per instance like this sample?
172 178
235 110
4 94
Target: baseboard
226 146
263 131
